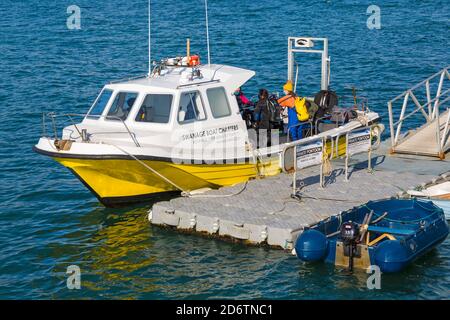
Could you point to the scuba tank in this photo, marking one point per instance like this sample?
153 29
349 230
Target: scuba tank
274 109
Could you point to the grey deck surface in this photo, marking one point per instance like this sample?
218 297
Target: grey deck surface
264 212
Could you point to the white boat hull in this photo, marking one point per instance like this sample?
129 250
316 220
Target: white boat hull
444 205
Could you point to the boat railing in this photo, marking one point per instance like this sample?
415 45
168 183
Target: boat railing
430 110
336 122
52 116
142 76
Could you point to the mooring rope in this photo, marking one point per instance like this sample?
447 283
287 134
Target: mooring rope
152 170
184 193
190 195
327 168
305 195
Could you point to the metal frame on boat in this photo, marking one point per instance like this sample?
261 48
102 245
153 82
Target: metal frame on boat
309 45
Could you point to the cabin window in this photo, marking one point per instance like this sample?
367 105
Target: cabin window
121 106
191 107
155 108
100 104
218 102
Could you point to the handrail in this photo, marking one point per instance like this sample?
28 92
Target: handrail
53 115
423 106
446 132
142 76
291 165
326 117
429 109
421 83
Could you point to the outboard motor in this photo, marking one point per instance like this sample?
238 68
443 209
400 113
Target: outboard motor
349 235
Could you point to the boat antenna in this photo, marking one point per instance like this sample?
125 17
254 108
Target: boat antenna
207 32
149 43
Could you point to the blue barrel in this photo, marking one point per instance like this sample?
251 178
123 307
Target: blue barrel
311 245
392 256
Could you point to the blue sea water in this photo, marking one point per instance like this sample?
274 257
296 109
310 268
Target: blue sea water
49 221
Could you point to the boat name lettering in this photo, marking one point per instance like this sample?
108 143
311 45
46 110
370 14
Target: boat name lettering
209 132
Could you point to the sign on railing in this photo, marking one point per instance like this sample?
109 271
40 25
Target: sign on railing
303 154
358 141
310 154
300 155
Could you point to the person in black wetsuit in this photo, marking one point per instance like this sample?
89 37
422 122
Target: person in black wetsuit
262 116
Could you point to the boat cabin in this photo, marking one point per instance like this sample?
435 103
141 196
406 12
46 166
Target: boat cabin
181 103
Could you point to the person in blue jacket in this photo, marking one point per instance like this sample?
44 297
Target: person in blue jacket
288 101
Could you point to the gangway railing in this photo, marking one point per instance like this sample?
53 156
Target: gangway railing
433 111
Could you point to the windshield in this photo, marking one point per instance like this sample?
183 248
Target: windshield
100 104
155 108
122 105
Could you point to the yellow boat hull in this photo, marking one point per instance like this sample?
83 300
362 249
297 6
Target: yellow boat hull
127 180
120 181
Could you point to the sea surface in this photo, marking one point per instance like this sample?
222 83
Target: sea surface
49 220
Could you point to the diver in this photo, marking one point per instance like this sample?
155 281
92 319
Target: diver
262 116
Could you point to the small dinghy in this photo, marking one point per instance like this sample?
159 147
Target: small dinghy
438 192
387 233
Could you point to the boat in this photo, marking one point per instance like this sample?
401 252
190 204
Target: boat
437 191
179 129
388 233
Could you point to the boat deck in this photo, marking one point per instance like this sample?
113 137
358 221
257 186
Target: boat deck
262 212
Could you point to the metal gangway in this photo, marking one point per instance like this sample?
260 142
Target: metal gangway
430 137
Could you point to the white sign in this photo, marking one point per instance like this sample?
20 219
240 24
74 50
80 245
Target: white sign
358 141
310 154
303 43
